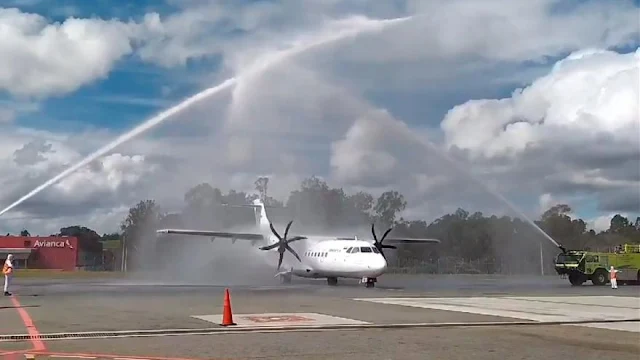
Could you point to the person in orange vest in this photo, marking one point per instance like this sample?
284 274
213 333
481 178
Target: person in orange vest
7 270
613 275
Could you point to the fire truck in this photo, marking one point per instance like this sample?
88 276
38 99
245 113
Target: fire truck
581 266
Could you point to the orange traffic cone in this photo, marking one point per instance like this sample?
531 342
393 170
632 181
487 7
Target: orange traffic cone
227 316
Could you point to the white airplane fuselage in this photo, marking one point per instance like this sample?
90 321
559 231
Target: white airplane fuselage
332 258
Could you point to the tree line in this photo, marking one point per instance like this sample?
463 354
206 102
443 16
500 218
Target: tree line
493 243
502 243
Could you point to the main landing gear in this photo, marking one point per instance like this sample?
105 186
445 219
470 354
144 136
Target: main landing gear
285 279
369 282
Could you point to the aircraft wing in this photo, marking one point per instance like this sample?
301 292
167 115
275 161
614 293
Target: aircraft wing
214 234
391 240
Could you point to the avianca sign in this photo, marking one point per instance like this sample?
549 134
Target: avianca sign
52 244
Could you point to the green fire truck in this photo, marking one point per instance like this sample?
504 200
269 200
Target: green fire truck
580 266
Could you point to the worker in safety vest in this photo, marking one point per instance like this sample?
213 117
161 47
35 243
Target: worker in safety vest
613 275
7 270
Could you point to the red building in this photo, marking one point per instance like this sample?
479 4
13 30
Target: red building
36 252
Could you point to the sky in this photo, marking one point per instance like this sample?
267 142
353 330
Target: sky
453 103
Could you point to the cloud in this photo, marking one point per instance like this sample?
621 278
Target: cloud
576 127
112 182
42 59
329 110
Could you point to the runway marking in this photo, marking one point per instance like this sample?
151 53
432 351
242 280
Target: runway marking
540 309
271 319
281 319
38 345
59 355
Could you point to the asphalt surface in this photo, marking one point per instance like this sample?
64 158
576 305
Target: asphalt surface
76 306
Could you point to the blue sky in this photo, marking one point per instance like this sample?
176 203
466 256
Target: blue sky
459 58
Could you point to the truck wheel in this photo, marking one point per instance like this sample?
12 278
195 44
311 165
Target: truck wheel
599 277
576 279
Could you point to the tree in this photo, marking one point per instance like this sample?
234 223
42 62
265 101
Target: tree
24 232
470 241
388 205
261 186
88 239
139 232
562 228
619 224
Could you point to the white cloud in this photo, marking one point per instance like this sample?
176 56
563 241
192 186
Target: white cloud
312 114
577 127
32 158
38 58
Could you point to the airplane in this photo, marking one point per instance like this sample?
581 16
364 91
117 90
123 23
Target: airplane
326 257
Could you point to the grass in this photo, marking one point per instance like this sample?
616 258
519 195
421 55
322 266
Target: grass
62 274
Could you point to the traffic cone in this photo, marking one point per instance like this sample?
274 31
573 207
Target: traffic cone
227 316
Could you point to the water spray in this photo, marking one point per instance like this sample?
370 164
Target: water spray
492 192
161 117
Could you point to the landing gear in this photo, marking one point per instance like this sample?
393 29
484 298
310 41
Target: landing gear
285 279
369 282
332 281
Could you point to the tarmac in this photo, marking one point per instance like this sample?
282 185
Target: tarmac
405 317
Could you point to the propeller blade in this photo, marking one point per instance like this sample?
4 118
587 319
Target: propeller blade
296 238
373 231
269 247
385 234
286 231
280 260
389 247
293 252
275 232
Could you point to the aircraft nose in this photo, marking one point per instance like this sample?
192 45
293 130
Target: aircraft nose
379 265
382 265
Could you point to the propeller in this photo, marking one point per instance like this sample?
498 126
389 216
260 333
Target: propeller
283 243
378 244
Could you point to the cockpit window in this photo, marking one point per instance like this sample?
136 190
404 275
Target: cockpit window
349 250
375 250
355 250
365 249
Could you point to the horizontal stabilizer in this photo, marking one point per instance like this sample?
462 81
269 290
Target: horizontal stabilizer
411 241
216 234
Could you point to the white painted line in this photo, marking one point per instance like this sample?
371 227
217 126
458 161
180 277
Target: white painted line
575 308
282 319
